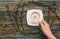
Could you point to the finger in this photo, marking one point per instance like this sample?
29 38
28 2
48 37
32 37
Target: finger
42 25
45 23
39 26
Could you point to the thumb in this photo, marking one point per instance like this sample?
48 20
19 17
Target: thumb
41 25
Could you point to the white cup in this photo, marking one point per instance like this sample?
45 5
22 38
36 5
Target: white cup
34 16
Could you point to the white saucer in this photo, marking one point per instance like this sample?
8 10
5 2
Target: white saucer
34 16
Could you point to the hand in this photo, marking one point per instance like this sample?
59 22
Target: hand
44 26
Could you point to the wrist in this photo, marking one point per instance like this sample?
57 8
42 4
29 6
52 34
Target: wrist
52 37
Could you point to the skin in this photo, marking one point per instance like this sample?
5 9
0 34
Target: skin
45 27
